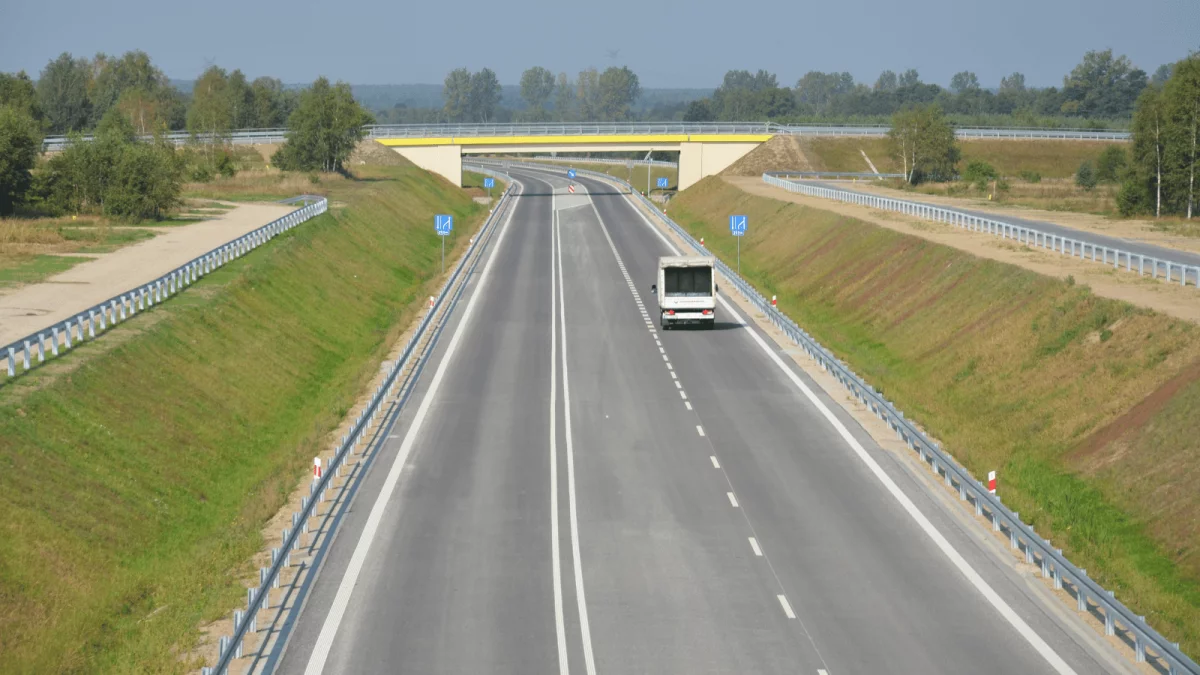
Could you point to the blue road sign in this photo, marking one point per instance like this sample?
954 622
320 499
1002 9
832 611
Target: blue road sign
489 183
737 225
570 173
443 224
662 182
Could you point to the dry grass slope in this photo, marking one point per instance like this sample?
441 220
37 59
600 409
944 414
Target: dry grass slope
1012 371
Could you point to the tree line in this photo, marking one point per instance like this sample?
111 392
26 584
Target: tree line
593 95
128 169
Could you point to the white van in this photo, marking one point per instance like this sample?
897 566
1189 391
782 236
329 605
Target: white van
686 290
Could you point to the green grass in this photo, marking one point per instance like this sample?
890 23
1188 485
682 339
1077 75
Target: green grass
28 270
139 469
1014 372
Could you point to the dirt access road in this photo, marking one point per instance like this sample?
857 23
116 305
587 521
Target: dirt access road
28 308
1104 281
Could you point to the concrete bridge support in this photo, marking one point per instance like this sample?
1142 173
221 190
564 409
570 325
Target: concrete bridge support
698 160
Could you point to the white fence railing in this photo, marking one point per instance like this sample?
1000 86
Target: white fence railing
1169 270
32 350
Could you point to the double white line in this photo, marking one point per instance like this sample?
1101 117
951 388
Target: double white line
558 323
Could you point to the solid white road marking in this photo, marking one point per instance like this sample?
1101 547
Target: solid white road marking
716 464
732 499
581 600
555 549
1001 606
754 545
688 404
787 608
699 429
341 600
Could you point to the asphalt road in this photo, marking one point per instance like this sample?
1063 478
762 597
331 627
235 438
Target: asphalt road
1141 248
573 490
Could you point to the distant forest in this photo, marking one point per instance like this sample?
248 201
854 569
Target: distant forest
73 94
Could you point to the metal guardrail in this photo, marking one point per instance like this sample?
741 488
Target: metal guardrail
1146 642
65 335
266 136
231 647
605 160
833 174
1174 271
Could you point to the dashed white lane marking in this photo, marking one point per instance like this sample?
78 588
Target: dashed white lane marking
664 357
673 375
661 350
732 499
678 385
787 608
394 436
683 395
699 429
688 404
754 545
669 367
716 464
973 577
821 671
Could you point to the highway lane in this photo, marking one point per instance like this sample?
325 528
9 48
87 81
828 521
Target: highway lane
582 484
1134 246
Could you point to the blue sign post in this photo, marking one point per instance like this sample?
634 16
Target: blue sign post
571 174
443 224
662 182
737 227
489 183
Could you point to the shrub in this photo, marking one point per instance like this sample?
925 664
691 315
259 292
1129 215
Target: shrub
1085 176
1111 164
1030 176
979 174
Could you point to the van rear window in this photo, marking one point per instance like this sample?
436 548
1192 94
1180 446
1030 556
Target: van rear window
687 281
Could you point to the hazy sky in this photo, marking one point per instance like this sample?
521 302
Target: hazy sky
669 43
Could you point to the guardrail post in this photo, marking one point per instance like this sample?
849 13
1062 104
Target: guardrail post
26 355
1139 649
54 340
1081 596
41 340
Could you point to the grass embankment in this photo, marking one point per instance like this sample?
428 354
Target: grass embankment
1016 372
136 478
639 174
1050 158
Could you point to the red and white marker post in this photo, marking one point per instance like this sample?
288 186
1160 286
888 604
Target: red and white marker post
571 189
701 241
316 468
772 301
431 302
992 482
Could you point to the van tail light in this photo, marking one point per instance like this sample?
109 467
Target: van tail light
706 312
670 312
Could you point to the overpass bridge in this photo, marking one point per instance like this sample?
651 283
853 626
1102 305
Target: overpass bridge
701 154
705 148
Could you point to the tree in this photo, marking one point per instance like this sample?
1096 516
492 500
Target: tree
18 92
210 117
699 111
1181 96
618 89
963 82
537 86
112 77
1085 175
20 144
587 98
909 78
484 95
1111 164
817 91
323 130
1161 75
1102 86
143 109
456 94
1149 143
924 142
564 98
241 101
887 81
62 90
269 103
1013 83
741 96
